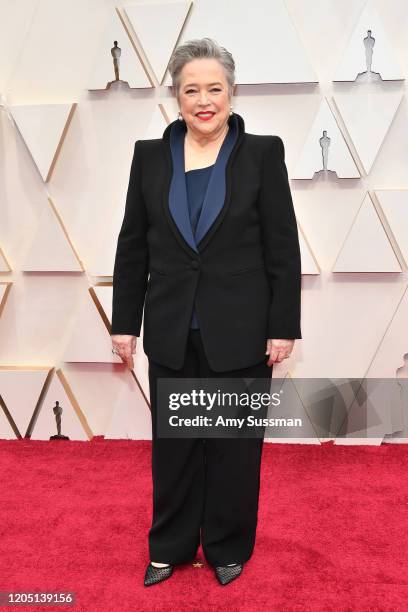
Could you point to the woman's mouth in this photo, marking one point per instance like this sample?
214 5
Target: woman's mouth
205 116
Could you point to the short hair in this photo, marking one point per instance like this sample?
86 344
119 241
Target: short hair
201 48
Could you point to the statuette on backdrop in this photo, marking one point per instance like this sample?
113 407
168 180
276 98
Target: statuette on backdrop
116 52
368 75
57 409
324 142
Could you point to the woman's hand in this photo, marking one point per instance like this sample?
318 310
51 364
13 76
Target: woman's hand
278 350
125 347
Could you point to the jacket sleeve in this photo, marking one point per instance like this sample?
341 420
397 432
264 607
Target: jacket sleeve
131 261
281 243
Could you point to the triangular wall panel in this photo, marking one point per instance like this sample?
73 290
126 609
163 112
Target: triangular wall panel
338 156
90 340
20 389
367 247
131 70
158 27
43 127
275 55
394 203
356 59
389 356
103 258
368 117
73 421
51 249
332 210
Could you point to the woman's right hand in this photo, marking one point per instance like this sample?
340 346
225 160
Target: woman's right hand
125 347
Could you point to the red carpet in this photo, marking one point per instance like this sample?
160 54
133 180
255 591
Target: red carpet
333 529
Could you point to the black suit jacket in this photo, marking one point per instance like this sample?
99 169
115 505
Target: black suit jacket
245 276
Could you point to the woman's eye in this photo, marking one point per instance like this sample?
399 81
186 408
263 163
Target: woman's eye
193 91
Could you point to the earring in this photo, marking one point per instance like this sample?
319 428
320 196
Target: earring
231 113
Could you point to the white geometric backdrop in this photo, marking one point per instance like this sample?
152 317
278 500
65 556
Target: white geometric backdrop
329 78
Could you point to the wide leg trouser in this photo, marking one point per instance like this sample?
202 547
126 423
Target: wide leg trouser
203 485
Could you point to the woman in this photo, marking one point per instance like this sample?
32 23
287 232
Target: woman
209 246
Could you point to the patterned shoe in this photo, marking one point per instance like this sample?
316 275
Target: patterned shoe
226 573
157 574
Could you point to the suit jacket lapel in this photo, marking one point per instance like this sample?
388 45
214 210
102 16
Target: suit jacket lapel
215 200
216 190
178 204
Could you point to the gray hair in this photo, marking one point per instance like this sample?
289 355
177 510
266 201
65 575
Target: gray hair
201 48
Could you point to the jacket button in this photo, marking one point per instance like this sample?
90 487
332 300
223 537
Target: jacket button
194 264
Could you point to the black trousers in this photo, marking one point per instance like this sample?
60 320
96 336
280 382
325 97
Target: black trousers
207 487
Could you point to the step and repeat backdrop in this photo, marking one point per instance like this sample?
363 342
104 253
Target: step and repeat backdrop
81 80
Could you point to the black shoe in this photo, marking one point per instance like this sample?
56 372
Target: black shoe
226 573
157 574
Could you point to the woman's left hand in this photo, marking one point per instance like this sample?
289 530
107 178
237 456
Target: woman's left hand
278 350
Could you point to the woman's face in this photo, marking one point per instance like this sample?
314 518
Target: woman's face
204 87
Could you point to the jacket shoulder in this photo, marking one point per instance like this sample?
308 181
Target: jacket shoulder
148 150
263 140
266 142
149 145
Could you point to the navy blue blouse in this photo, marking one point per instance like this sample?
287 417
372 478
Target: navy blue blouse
196 187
